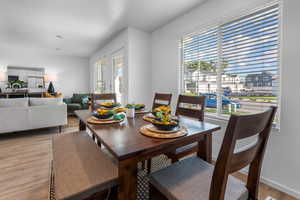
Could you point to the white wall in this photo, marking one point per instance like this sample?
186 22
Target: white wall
136 47
139 74
281 164
72 72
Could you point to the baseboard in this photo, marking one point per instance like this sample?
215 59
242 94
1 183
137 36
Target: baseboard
281 187
275 185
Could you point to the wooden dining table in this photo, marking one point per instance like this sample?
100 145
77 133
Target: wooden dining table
128 146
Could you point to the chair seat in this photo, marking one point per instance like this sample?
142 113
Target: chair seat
190 179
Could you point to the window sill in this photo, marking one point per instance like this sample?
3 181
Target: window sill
225 118
214 116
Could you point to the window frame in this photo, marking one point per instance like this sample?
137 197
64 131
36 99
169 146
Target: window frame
218 115
99 64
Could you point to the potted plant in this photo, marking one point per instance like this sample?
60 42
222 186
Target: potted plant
130 110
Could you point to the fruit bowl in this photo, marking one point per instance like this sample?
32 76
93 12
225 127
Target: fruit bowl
165 126
103 114
139 106
109 105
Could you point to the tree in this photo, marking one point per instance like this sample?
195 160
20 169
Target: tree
201 65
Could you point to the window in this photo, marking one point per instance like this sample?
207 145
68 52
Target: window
118 71
99 85
236 65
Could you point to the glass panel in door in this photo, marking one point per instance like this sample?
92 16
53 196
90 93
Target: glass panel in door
118 76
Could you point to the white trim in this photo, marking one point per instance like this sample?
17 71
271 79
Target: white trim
119 52
275 185
280 41
219 73
225 118
280 187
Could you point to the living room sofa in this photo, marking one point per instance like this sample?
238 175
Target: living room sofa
22 114
77 102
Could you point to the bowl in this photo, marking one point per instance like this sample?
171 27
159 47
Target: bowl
139 106
106 116
112 105
165 127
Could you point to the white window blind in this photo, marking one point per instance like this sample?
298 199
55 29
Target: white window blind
235 65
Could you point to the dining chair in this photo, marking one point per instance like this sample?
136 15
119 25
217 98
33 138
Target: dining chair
193 178
102 97
194 108
161 99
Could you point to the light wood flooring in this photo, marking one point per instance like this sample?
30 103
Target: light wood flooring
25 165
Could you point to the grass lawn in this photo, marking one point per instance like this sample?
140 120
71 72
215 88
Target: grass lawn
214 110
254 97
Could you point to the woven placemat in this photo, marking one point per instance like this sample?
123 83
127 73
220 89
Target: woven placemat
148 118
145 131
92 120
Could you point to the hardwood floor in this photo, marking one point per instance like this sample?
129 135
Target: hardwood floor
25 165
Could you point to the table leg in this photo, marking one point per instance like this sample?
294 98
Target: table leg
127 180
205 148
82 126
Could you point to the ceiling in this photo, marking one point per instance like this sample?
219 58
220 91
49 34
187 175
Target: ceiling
84 25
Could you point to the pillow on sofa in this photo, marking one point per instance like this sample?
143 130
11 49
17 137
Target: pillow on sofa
45 101
14 102
77 98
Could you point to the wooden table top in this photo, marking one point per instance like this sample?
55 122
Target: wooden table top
125 141
80 167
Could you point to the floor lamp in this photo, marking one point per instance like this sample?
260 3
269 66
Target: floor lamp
50 79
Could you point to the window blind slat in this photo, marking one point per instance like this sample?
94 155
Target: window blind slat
247 50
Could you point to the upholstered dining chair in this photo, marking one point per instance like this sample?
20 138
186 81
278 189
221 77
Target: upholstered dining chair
102 97
193 178
161 99
194 108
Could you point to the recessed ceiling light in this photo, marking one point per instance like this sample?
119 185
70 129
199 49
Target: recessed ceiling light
59 37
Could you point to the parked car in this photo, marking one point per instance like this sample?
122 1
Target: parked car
211 101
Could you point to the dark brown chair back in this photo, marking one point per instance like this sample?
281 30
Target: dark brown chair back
161 97
107 96
198 101
230 160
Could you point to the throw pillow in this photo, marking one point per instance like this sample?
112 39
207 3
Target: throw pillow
85 100
17 102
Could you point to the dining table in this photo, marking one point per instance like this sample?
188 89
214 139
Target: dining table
128 146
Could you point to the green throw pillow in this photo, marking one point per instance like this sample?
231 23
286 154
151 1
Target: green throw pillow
77 98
